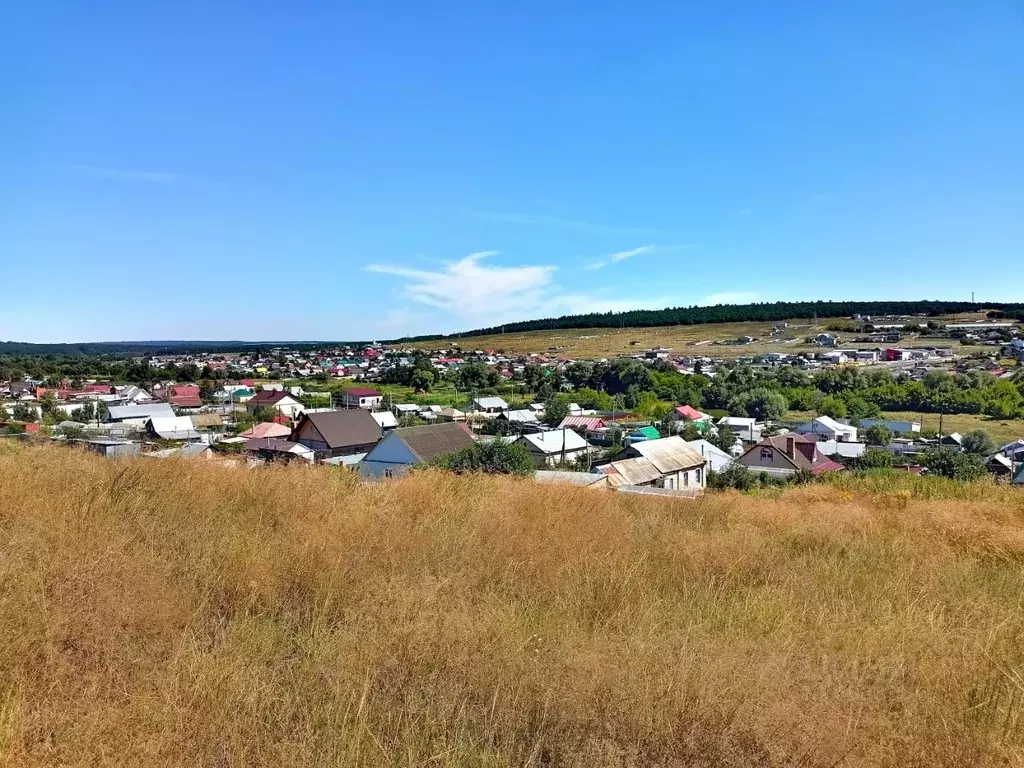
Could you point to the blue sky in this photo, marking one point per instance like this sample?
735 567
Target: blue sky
331 170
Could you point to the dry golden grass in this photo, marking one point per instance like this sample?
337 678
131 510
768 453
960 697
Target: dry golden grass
167 613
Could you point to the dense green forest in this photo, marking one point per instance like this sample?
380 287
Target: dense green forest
736 313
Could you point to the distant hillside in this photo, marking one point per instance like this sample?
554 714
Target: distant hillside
737 313
639 318
147 348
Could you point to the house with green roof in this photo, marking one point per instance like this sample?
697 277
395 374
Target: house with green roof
641 434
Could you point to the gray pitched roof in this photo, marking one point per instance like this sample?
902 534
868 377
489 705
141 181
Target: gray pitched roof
434 440
342 429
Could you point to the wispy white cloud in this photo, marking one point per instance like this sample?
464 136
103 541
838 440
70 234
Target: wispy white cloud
729 297
125 174
615 258
554 221
484 294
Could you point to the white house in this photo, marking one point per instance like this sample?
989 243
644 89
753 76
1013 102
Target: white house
745 428
362 397
665 463
553 447
718 460
489 405
138 415
827 428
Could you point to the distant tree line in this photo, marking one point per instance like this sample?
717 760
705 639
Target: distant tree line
736 313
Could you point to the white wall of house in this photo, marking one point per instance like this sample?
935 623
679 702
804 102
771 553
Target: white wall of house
690 478
543 460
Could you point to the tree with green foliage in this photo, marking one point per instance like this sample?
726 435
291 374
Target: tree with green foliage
875 458
954 464
85 414
878 434
725 439
24 413
760 403
495 457
556 408
979 443
475 377
831 405
580 374
734 476
591 398
421 380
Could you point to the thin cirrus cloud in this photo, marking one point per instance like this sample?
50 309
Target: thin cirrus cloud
554 221
615 258
490 294
126 174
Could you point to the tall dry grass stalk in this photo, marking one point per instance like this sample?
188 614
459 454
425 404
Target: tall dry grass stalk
168 613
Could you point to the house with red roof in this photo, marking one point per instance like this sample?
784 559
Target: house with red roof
786 455
362 397
684 415
184 396
583 423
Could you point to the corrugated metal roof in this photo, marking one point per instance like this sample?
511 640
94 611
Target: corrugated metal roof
142 411
386 419
522 416
631 472
669 454
555 441
589 423
491 402
173 428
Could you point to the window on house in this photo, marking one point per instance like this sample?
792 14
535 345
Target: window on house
767 453
686 479
698 477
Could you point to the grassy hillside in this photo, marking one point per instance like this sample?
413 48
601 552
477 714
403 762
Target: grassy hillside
683 339
187 614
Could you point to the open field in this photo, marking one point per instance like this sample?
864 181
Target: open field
186 614
683 339
1002 430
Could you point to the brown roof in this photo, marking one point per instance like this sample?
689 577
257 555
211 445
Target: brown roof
805 453
269 444
362 392
268 397
342 429
434 440
207 420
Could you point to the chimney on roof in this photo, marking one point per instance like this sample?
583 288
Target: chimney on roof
791 447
